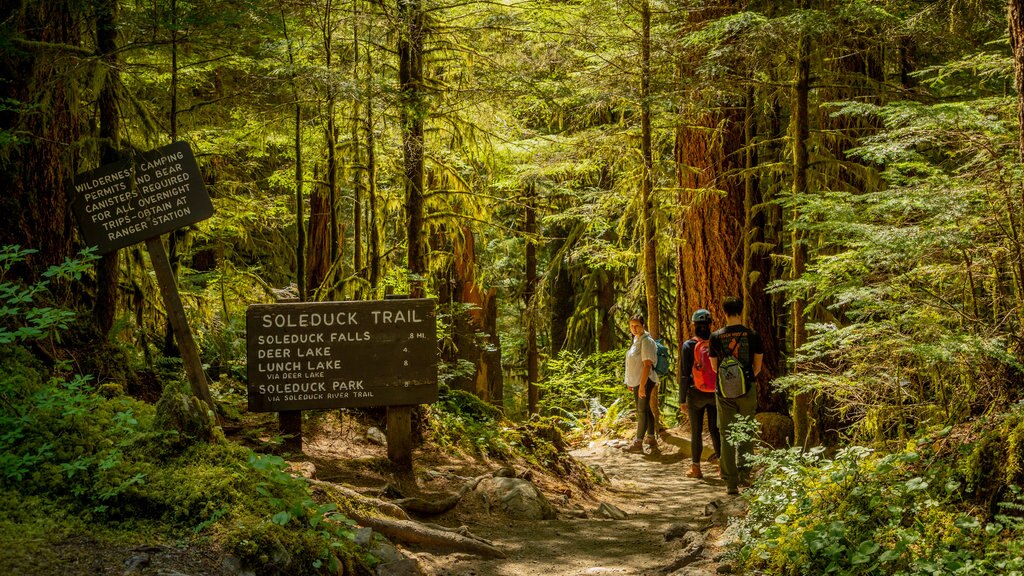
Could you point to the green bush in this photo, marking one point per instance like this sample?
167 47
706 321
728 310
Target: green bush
124 468
862 512
459 420
585 391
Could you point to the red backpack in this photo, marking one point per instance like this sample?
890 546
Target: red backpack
704 377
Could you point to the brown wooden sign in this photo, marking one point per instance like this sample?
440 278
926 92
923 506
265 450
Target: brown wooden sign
126 202
308 356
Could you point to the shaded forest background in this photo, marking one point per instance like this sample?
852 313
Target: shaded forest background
546 170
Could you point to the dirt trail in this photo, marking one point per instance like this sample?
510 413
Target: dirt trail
651 488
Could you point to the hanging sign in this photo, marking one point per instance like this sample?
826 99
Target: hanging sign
125 202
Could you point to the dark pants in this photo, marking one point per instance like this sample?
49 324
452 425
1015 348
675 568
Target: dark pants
645 420
697 404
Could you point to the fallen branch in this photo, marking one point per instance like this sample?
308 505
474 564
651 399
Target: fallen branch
442 540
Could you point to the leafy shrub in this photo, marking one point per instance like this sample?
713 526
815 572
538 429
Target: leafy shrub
108 461
862 512
462 421
584 390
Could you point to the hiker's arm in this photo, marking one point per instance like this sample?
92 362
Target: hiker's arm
714 364
645 374
685 374
758 360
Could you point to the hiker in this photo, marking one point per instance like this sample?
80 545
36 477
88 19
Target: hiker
641 379
736 355
697 390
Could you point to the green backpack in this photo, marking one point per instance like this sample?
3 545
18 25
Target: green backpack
732 376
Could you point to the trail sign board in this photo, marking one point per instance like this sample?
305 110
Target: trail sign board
125 202
317 355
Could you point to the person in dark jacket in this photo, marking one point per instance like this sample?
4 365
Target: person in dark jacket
697 390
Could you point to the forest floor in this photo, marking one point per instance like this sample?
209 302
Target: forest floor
660 503
652 489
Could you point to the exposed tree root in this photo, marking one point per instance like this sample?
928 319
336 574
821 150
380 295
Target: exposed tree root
442 540
392 521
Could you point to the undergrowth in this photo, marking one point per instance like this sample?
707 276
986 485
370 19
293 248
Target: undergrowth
82 459
907 513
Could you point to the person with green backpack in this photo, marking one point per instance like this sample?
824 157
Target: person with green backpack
736 355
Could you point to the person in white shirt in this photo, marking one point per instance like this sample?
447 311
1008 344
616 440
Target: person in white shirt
642 380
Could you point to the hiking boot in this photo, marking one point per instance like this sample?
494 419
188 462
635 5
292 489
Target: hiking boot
652 442
695 471
637 447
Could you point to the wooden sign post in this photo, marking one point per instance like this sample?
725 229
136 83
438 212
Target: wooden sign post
139 199
324 355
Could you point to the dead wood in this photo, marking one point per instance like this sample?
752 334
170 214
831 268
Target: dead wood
442 540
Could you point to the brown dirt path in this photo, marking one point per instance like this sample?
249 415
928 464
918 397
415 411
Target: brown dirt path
651 488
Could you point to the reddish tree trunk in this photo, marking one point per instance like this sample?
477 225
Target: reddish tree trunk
708 153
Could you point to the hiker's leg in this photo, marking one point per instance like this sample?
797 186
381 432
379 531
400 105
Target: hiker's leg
727 411
716 437
695 410
641 414
747 407
655 407
652 422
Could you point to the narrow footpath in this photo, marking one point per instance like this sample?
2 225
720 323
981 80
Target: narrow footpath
661 505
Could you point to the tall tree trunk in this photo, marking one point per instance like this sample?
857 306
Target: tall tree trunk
357 161
802 416
646 178
108 271
373 228
300 216
412 112
749 200
40 90
708 154
176 237
1015 14
532 282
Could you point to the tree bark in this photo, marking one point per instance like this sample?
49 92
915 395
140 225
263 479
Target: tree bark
802 416
37 171
650 248
371 177
108 270
529 295
1015 14
412 112
300 216
708 154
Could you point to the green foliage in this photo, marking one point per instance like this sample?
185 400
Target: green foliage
460 420
916 277
862 512
301 536
994 462
20 318
585 391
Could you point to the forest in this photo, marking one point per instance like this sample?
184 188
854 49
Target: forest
542 171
